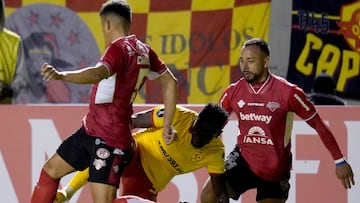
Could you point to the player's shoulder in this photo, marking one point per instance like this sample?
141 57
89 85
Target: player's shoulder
184 116
185 109
215 146
181 113
138 43
10 34
289 90
129 42
282 83
235 85
241 81
281 80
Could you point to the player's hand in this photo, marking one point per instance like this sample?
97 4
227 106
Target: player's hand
169 134
49 72
346 175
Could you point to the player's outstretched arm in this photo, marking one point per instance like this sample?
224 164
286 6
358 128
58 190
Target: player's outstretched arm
89 75
343 169
78 180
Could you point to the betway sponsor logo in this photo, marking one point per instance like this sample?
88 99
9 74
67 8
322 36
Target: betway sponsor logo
254 117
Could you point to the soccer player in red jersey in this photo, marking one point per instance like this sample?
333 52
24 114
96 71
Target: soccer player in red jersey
264 105
103 142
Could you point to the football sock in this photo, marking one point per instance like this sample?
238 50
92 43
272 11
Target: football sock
45 190
80 179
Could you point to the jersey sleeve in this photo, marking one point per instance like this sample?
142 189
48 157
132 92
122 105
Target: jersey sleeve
157 66
301 105
158 116
326 137
113 58
225 99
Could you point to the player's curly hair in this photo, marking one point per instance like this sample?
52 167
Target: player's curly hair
212 118
117 7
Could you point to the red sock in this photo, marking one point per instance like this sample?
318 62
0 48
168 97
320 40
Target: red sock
45 190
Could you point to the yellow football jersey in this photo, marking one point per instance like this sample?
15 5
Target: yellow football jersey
162 162
9 48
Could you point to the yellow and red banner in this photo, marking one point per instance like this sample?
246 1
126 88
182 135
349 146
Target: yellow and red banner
199 40
30 134
325 37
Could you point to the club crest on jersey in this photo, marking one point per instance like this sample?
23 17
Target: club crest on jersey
98 164
196 156
272 106
160 113
102 153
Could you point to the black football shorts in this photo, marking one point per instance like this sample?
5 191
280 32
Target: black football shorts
106 164
241 178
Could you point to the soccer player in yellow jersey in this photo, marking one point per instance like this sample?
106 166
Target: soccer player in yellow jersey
155 163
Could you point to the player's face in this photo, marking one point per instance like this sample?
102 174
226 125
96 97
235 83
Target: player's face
201 136
200 139
253 64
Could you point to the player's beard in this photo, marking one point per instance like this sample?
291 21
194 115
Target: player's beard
250 77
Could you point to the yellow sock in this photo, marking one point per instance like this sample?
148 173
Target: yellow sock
77 181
